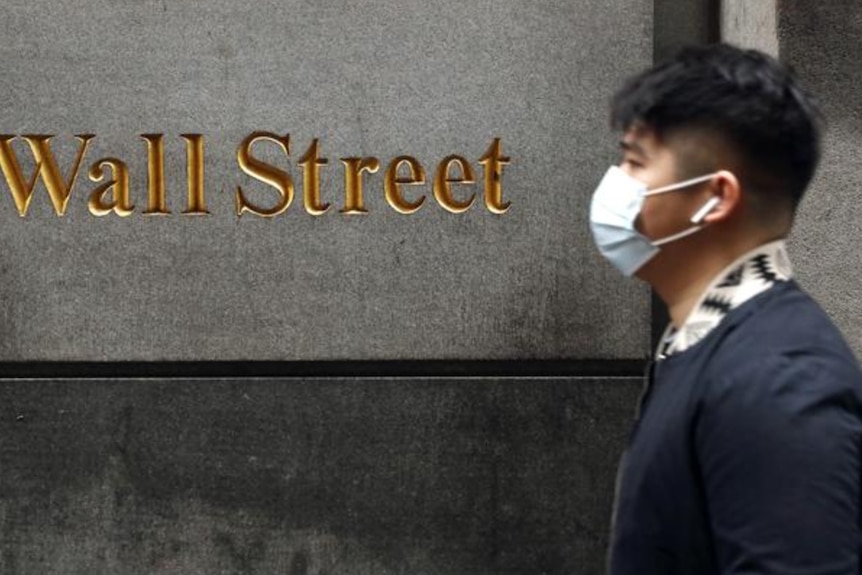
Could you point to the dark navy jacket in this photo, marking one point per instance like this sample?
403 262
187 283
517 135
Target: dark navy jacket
745 456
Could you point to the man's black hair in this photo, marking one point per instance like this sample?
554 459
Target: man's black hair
744 96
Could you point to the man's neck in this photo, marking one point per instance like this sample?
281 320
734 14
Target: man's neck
681 285
682 300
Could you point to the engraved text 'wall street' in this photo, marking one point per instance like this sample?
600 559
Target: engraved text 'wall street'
451 185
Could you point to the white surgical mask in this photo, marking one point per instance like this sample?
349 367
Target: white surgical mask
616 204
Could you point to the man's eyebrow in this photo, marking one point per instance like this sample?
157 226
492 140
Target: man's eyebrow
628 146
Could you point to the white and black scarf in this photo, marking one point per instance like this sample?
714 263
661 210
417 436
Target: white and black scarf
751 274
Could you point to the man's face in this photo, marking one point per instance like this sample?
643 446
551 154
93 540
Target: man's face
655 162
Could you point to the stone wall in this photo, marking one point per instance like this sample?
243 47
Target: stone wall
295 477
415 457
823 42
382 80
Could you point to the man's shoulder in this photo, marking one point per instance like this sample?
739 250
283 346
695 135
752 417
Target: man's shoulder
783 319
784 338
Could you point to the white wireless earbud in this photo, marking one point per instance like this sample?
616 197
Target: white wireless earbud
704 211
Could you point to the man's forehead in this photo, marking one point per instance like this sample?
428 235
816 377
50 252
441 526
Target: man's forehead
643 140
639 139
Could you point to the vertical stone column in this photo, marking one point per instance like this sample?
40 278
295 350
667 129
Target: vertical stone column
750 23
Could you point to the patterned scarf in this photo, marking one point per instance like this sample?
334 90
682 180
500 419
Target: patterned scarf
751 274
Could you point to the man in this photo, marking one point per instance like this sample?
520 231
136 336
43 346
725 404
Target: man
745 454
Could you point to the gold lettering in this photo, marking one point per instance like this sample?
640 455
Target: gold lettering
493 162
393 183
195 171
120 204
46 167
311 162
263 172
353 168
156 205
443 184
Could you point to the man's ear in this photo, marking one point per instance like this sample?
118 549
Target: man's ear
726 199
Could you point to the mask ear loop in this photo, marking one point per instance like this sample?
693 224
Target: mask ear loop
679 185
677 236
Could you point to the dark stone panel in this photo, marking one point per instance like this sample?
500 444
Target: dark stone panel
678 24
314 476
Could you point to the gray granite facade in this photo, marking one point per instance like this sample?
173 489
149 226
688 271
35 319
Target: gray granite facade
311 475
367 79
823 43
344 475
